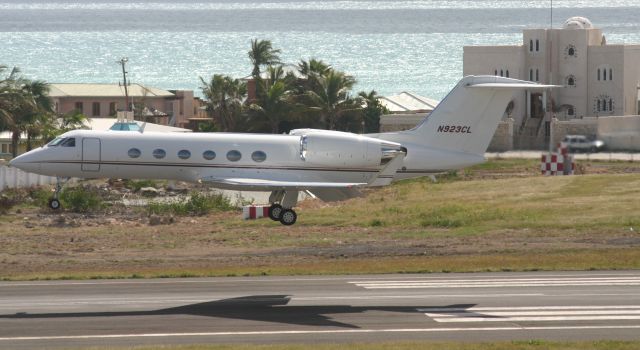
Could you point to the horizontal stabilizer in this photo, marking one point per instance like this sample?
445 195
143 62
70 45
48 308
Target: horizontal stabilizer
512 86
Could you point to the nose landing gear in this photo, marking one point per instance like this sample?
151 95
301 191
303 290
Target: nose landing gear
54 203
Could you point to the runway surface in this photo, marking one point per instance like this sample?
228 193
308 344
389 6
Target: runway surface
466 307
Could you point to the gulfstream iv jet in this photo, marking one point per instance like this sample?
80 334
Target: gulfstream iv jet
329 165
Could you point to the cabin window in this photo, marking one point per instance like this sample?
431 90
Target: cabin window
184 154
209 155
55 142
69 142
134 153
159 153
234 155
258 156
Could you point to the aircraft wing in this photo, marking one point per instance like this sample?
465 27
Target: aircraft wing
262 184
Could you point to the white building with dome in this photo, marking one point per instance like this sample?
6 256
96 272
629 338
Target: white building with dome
597 79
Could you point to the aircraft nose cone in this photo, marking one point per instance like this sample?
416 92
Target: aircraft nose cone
25 162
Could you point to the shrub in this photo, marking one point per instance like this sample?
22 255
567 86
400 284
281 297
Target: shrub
80 199
197 204
6 203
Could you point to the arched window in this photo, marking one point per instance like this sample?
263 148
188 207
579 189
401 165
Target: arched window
531 74
610 73
531 45
598 73
571 52
571 81
537 45
604 74
537 75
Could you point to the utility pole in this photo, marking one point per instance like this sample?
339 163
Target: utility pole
122 62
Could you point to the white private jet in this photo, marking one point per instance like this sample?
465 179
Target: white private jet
330 165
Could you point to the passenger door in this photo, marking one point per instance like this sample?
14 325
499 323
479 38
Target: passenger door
91 149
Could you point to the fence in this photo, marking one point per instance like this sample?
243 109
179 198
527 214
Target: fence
16 178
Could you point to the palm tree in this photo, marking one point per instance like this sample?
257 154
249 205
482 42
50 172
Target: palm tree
330 99
274 102
371 112
310 72
262 53
224 97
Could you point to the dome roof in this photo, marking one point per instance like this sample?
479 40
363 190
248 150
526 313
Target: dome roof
577 23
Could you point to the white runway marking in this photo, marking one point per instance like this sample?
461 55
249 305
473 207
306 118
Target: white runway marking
533 314
499 283
336 331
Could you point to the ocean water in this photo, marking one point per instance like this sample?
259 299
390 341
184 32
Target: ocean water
389 46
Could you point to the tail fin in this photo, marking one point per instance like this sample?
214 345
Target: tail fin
466 119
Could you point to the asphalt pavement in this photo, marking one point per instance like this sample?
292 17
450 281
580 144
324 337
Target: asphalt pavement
460 307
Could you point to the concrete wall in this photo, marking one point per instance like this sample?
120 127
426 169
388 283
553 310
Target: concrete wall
15 178
620 133
561 128
399 122
503 138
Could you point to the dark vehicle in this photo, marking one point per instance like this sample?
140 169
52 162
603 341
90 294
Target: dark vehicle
581 143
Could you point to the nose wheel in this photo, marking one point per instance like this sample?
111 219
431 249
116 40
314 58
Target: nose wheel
54 203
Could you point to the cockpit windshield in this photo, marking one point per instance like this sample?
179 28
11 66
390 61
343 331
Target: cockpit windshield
69 142
63 142
56 141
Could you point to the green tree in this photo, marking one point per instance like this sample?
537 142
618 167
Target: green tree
261 54
330 99
224 97
274 103
372 111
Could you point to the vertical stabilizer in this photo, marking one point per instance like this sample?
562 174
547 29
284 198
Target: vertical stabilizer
466 119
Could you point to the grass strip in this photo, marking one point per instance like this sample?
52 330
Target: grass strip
577 260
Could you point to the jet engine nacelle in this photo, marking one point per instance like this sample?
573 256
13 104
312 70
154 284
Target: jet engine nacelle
335 148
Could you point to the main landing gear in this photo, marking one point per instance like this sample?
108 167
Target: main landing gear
281 204
54 202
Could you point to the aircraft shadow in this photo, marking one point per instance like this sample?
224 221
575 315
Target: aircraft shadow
265 308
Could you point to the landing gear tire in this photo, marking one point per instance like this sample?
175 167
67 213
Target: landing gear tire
275 212
288 217
54 204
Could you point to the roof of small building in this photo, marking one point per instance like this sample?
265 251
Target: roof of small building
408 102
105 90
